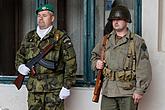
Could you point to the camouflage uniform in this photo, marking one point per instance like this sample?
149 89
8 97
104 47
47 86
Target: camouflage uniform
45 86
116 84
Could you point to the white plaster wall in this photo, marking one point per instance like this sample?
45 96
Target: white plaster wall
154 98
81 99
11 98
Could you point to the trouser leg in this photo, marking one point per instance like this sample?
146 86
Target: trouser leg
53 102
118 103
44 101
109 103
35 101
127 103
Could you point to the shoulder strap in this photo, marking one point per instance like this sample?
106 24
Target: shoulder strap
131 54
103 47
52 64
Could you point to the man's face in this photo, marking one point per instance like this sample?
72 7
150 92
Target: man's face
119 25
45 19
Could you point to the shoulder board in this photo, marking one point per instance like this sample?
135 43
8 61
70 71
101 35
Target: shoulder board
66 38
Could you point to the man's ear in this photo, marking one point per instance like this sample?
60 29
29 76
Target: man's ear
53 18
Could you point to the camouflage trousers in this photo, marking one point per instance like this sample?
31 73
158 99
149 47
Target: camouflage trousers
118 103
44 101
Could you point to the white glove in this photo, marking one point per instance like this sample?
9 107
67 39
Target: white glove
24 70
64 93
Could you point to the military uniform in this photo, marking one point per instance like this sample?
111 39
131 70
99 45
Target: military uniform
127 69
120 81
45 86
115 57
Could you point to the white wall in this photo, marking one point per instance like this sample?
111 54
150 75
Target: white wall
13 99
81 99
154 98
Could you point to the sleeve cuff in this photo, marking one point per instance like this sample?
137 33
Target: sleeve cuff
139 91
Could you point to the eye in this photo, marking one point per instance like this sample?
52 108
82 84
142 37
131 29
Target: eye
44 15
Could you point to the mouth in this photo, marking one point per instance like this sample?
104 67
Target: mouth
116 25
41 23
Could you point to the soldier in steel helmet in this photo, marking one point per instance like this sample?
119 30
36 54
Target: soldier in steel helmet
108 27
55 72
126 65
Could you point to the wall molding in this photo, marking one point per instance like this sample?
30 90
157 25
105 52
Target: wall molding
161 26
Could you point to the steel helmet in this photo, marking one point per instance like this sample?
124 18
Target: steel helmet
120 12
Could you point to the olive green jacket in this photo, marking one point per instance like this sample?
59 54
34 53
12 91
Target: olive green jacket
48 80
115 56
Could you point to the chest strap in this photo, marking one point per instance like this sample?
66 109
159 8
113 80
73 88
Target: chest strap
131 56
128 73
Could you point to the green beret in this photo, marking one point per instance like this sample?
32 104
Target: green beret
48 7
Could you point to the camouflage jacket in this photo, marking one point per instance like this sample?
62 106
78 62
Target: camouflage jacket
48 80
115 57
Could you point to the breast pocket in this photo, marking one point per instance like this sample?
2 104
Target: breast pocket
31 50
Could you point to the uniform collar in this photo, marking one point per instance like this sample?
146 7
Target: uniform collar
50 34
122 41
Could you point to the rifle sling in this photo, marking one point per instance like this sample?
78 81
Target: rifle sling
48 63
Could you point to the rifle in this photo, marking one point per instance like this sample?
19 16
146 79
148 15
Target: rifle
99 79
20 78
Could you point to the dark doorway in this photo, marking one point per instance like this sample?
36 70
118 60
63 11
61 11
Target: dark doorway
61 14
10 30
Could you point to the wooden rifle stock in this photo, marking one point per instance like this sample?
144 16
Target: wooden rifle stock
19 81
20 78
99 82
99 79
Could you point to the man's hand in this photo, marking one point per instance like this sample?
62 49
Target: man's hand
99 64
23 69
137 98
64 93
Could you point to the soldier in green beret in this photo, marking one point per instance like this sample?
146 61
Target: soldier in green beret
55 72
125 63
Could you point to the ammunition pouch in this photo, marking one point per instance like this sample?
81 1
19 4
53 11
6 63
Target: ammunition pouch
126 85
122 75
